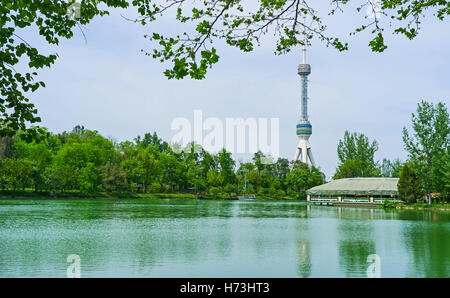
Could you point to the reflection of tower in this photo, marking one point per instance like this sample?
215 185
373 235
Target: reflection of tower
304 127
304 265
304 259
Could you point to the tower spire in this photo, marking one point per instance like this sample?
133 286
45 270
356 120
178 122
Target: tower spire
305 40
304 54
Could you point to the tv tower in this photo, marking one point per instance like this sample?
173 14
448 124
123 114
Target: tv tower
304 127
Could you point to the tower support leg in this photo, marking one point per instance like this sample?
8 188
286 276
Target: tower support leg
304 153
310 155
297 153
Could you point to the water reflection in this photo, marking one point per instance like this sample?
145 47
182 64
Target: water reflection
184 238
304 265
356 242
432 259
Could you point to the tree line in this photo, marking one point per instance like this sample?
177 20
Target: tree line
426 172
85 162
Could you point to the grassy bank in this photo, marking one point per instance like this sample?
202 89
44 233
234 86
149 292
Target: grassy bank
417 206
100 195
29 193
164 196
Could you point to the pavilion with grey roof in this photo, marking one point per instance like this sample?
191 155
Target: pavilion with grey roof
367 189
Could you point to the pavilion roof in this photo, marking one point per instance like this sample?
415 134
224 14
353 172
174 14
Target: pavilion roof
353 186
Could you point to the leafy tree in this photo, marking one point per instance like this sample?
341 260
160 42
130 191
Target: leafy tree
272 191
5 147
3 182
52 22
79 130
226 164
52 180
172 171
229 188
429 142
275 183
409 186
446 178
88 179
77 160
18 172
356 168
154 140
386 168
155 187
357 146
390 168
262 191
213 178
303 178
356 156
257 160
113 178
214 191
282 169
243 26
254 178
396 166
143 166
194 176
207 162
441 174
251 189
190 51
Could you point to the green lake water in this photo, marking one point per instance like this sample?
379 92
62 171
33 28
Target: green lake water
190 238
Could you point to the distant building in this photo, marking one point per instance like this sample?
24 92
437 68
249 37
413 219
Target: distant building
353 190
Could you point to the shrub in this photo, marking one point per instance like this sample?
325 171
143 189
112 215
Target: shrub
272 191
230 188
214 191
263 191
291 192
155 187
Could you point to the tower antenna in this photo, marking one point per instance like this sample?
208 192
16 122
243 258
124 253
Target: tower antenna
304 41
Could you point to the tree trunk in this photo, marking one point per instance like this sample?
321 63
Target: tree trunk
428 183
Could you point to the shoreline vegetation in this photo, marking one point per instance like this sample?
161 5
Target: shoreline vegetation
442 206
30 194
83 163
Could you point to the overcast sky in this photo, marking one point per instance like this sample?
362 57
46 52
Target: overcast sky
107 84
